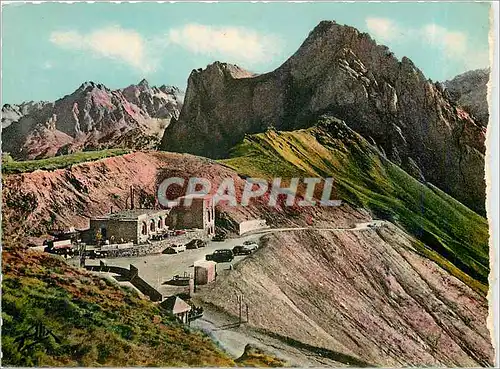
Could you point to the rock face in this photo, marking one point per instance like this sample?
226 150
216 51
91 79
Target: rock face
470 91
14 112
91 118
341 71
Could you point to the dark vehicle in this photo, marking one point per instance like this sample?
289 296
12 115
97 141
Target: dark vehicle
159 237
221 256
180 232
91 254
195 244
241 250
219 237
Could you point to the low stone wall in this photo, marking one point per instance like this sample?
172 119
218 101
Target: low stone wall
117 246
252 225
152 247
132 276
124 272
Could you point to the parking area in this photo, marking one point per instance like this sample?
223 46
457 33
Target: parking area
159 268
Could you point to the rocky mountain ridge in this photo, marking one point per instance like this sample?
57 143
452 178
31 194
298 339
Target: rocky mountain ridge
470 91
14 112
91 118
342 71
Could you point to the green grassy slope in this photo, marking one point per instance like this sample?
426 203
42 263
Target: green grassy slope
10 166
55 315
94 322
451 234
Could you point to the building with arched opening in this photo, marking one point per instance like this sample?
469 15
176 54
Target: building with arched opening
140 225
136 225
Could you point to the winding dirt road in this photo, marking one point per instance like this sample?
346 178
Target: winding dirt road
358 227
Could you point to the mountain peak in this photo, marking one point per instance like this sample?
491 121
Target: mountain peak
323 26
331 28
90 85
224 69
86 85
92 117
342 71
143 83
470 91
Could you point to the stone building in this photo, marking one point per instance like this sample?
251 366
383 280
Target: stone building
136 225
199 214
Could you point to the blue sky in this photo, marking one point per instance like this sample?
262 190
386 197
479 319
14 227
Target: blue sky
49 49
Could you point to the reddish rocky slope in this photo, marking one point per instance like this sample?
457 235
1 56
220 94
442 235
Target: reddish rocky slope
37 202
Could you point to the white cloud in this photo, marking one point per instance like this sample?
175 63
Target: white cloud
113 42
453 45
383 29
234 43
69 39
452 42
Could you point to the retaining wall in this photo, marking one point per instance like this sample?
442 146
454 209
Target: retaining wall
252 225
132 276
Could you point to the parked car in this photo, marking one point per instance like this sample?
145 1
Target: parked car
101 254
195 244
219 237
180 232
252 247
241 250
221 256
246 243
174 249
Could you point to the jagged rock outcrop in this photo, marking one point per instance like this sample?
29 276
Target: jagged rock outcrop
91 118
470 91
158 102
342 71
14 112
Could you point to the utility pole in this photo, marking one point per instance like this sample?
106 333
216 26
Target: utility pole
82 249
240 298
